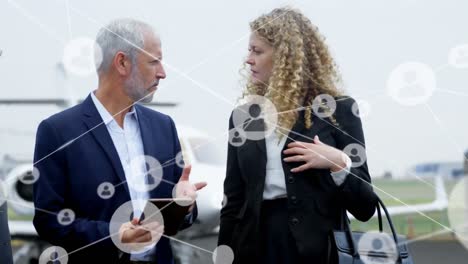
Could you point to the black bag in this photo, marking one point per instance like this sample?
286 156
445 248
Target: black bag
371 247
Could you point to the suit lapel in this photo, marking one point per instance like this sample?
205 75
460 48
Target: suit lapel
261 147
153 144
148 137
253 154
100 133
256 152
299 132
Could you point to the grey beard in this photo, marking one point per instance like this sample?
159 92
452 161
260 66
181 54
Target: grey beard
135 90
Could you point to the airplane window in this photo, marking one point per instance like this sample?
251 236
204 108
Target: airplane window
207 152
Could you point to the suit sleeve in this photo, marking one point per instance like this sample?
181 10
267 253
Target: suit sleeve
356 192
50 198
191 217
234 190
5 241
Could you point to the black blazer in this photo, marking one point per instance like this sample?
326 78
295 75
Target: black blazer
314 200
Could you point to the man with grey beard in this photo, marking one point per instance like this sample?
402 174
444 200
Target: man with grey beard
102 141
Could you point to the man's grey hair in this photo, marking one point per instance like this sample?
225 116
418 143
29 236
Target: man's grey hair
125 35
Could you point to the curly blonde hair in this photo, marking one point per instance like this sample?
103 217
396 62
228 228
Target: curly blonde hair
302 65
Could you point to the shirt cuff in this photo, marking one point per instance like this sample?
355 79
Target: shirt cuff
340 176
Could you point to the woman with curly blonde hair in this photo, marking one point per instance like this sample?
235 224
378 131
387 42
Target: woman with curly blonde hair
286 192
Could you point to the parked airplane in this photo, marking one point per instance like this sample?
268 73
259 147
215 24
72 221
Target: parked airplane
208 164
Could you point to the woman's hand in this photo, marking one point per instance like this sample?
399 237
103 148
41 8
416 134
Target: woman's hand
315 155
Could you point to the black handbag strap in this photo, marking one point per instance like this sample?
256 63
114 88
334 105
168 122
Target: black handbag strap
379 217
346 227
390 223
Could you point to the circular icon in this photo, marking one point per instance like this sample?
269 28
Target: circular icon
458 56
411 83
66 217
3 193
30 176
458 211
361 109
376 247
324 105
106 190
181 161
237 137
54 255
184 193
256 116
145 173
82 56
223 255
151 220
356 153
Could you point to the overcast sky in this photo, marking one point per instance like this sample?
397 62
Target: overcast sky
204 43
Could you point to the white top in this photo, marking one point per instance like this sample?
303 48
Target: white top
129 145
275 184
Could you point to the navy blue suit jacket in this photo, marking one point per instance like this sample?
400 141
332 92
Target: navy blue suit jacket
5 245
74 154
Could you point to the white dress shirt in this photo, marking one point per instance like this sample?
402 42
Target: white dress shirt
275 184
129 145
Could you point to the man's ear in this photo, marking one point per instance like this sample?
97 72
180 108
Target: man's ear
122 63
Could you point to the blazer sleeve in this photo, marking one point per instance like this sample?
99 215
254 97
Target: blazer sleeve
49 193
191 217
5 240
234 190
356 192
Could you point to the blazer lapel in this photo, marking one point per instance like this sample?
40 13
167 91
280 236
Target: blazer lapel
261 146
148 137
152 145
299 132
99 131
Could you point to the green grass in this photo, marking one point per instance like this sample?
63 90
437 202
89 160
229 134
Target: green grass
412 225
13 216
409 192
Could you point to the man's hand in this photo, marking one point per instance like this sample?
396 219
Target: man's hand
143 234
185 190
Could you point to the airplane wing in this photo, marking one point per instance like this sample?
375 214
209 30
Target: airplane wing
58 102
64 103
22 229
161 104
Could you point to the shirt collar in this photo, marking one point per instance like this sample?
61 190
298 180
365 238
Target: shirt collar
105 115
